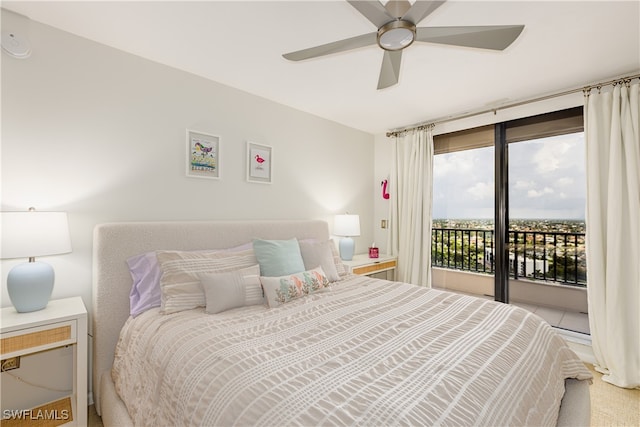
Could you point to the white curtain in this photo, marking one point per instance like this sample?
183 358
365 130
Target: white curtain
612 122
410 187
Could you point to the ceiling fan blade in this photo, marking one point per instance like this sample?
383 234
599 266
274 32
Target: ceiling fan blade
421 9
397 8
373 10
334 47
496 37
390 71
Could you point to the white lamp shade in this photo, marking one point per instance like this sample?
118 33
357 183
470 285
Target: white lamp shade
346 225
33 234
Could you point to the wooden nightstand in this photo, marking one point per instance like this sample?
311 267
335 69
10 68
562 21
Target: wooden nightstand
383 267
63 322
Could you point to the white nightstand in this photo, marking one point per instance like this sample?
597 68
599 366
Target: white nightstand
362 264
63 322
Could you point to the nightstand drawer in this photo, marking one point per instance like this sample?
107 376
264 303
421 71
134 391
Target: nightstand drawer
374 268
31 340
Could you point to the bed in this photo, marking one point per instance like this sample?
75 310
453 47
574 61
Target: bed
360 351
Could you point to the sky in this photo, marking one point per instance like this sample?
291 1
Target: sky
547 180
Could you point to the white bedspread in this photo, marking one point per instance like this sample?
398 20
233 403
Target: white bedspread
367 352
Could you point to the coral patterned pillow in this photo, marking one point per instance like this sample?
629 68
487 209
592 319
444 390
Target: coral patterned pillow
280 290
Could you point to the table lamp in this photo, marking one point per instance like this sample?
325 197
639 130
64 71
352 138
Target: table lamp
346 226
28 235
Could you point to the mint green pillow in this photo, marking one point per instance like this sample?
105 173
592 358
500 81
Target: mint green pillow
278 257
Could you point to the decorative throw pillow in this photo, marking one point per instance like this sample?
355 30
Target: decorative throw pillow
145 291
340 267
278 257
316 253
280 290
232 289
180 283
145 272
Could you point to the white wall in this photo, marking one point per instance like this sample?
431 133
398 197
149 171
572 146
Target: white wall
382 166
100 134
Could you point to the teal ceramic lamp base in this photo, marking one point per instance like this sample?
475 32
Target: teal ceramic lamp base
347 246
30 285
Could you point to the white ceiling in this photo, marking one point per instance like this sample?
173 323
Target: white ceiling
564 45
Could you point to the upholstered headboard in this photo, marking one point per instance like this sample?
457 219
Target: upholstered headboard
114 243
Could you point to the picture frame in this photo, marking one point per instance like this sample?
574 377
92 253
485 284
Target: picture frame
203 155
259 163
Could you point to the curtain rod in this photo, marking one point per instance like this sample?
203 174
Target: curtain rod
585 89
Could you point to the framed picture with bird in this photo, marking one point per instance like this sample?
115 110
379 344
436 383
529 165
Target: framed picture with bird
203 155
259 163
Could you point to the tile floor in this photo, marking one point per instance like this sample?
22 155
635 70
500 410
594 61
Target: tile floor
570 320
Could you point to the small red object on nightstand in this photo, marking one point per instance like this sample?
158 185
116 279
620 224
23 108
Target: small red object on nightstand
373 252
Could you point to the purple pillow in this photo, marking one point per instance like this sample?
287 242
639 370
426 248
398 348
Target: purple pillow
145 292
145 272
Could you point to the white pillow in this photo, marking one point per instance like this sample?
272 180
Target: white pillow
145 272
315 253
232 289
280 290
180 282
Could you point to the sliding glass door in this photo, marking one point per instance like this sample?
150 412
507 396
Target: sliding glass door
546 237
509 217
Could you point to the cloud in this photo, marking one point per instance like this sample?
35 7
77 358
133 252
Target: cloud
535 193
522 185
550 157
482 190
565 181
457 163
546 180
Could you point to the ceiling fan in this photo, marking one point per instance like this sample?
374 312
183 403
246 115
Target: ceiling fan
396 22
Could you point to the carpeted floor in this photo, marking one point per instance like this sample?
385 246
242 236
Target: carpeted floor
94 419
610 405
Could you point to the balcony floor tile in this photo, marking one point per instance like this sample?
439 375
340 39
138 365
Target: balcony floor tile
572 321
552 316
528 307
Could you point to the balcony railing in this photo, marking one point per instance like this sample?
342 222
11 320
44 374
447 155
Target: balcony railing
537 255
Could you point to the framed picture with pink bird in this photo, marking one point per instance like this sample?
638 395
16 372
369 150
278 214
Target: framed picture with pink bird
259 163
203 155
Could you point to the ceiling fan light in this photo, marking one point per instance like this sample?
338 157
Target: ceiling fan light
396 39
396 35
